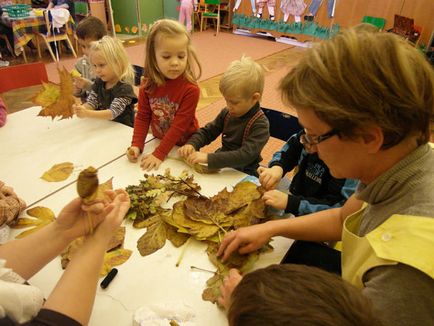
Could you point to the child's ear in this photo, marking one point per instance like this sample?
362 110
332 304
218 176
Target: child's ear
256 96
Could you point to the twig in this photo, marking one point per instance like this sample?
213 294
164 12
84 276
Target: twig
203 269
183 252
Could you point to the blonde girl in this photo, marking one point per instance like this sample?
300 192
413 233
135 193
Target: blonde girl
169 95
112 96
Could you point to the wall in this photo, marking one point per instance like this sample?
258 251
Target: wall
350 12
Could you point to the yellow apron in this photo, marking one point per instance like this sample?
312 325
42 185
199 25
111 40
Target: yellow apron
400 239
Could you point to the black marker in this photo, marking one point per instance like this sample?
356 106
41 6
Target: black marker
110 276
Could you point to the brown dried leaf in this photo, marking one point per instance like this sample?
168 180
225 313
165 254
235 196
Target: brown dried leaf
118 239
58 172
177 239
87 182
153 239
63 104
99 194
212 292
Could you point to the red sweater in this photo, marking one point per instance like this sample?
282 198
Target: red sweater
170 112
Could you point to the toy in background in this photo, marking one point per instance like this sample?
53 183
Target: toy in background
270 5
292 7
186 11
252 2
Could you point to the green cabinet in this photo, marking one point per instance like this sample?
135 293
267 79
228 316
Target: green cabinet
133 17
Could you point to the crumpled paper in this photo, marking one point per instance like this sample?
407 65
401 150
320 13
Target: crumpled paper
162 314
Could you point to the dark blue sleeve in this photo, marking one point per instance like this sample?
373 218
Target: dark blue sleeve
289 155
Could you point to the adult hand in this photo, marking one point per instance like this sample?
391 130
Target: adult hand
186 150
230 282
270 177
246 239
275 198
133 153
110 224
150 162
73 220
197 157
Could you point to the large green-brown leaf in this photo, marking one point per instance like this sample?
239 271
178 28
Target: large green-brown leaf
153 239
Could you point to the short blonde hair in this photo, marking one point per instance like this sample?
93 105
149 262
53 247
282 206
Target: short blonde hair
244 77
169 28
360 78
116 57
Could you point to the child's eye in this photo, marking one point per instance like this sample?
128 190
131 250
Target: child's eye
181 57
166 57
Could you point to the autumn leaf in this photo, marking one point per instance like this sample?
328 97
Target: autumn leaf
58 172
62 106
42 216
212 291
153 239
99 194
87 182
176 238
114 258
48 95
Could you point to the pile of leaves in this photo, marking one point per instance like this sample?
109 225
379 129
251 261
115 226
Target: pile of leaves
57 99
151 194
208 219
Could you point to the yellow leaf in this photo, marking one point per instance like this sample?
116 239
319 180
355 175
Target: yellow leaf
42 213
58 172
27 232
62 107
41 217
75 73
114 258
48 95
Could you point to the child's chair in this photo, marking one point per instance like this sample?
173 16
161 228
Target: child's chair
282 125
213 13
55 34
23 75
376 21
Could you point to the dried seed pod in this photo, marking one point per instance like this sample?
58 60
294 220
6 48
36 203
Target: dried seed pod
87 182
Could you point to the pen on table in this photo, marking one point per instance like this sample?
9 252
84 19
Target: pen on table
110 276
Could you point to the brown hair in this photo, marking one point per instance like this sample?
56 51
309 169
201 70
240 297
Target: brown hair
91 28
360 78
168 28
298 295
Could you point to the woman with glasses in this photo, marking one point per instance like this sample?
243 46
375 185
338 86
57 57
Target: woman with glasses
366 100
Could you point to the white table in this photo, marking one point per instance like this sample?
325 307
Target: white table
30 145
154 279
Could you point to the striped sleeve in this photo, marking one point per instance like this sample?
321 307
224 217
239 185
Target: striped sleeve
118 105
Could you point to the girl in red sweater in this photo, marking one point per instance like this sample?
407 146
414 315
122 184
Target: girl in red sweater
169 95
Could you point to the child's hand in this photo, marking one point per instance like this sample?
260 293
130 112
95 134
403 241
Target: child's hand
133 153
276 199
197 157
150 162
270 177
229 284
186 150
79 110
81 83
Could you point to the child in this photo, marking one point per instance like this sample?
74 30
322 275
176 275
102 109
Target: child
112 96
294 295
169 95
312 188
243 125
90 29
66 4
185 12
3 113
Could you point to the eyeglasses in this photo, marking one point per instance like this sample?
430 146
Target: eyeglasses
310 141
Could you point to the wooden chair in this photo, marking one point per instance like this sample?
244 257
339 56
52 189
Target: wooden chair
54 35
24 75
212 11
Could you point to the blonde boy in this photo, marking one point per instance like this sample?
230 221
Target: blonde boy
242 124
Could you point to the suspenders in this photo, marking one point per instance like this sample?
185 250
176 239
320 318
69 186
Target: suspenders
249 125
